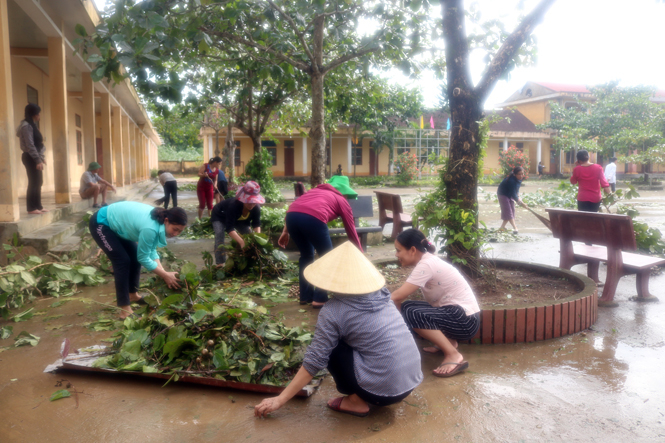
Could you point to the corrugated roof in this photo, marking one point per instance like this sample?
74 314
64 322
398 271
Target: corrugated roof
558 87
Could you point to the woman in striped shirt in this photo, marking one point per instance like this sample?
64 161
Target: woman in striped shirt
360 337
450 312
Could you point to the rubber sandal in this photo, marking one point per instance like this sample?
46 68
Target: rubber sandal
140 302
337 406
460 367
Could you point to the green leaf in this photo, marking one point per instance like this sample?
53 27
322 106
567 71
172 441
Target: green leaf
6 332
25 338
80 30
23 316
62 393
131 350
174 348
219 360
28 278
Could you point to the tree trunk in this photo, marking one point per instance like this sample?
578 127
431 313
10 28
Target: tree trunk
229 146
318 132
256 142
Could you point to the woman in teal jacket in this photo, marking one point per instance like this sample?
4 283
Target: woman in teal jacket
130 233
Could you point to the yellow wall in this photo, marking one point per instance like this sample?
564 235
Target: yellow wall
25 73
75 106
537 112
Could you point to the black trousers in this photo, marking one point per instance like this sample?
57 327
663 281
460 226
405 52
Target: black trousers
341 368
588 206
123 256
223 187
35 181
171 190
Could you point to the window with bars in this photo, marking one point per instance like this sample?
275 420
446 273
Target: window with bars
77 120
79 147
236 154
273 154
357 156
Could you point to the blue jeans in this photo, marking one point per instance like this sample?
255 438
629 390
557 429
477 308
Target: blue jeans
309 234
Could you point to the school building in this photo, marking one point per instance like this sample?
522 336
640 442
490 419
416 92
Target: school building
81 120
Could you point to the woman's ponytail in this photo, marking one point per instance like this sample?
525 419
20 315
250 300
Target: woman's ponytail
176 216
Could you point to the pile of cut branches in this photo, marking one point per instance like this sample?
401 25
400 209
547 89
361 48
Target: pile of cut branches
258 259
200 228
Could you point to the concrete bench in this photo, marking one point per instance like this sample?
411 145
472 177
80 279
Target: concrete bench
612 241
362 207
390 211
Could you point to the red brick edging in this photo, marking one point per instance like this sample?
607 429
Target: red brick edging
541 321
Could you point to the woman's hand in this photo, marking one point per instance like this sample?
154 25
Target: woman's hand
40 167
171 279
283 240
522 204
267 406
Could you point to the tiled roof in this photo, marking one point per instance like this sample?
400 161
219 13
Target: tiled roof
558 87
518 122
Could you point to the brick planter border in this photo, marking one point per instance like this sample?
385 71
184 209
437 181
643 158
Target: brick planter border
538 321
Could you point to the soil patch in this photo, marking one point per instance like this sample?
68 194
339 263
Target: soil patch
512 288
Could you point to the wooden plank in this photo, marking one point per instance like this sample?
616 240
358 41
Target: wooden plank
540 323
565 309
549 321
499 317
571 317
556 327
486 327
520 325
510 326
583 305
577 316
530 325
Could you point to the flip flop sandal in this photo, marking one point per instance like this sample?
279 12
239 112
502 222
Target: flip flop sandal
337 406
134 315
459 367
140 302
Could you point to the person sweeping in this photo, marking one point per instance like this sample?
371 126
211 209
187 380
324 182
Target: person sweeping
360 337
129 233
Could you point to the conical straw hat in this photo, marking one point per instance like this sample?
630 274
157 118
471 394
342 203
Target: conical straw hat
345 270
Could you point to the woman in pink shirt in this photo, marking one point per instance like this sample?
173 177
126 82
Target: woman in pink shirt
306 222
590 178
450 312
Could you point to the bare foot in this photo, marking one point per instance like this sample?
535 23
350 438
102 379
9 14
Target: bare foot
126 312
45 210
445 368
317 305
35 212
435 350
351 403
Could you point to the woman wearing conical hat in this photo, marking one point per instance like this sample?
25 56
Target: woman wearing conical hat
360 337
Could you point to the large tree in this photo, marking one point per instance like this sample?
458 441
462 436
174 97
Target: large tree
466 106
310 37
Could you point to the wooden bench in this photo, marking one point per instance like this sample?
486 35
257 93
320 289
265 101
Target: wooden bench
396 216
611 237
362 207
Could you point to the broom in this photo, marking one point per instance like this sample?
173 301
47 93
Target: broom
545 221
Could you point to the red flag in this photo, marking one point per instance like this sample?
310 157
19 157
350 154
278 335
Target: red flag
431 121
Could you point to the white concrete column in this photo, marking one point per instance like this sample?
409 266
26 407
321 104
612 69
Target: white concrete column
304 156
132 152
349 146
539 154
59 119
119 163
211 147
126 151
505 143
9 210
107 148
88 119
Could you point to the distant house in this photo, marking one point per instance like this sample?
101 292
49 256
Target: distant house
533 101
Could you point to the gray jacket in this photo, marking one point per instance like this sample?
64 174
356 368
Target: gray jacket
26 134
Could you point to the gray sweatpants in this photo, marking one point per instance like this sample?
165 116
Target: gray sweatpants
220 236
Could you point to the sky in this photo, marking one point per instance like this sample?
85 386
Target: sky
586 42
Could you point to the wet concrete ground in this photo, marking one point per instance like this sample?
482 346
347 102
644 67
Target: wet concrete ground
603 385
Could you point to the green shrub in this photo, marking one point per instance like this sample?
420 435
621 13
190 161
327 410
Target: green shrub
272 219
259 169
170 153
407 165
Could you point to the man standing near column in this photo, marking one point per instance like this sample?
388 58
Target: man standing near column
611 173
